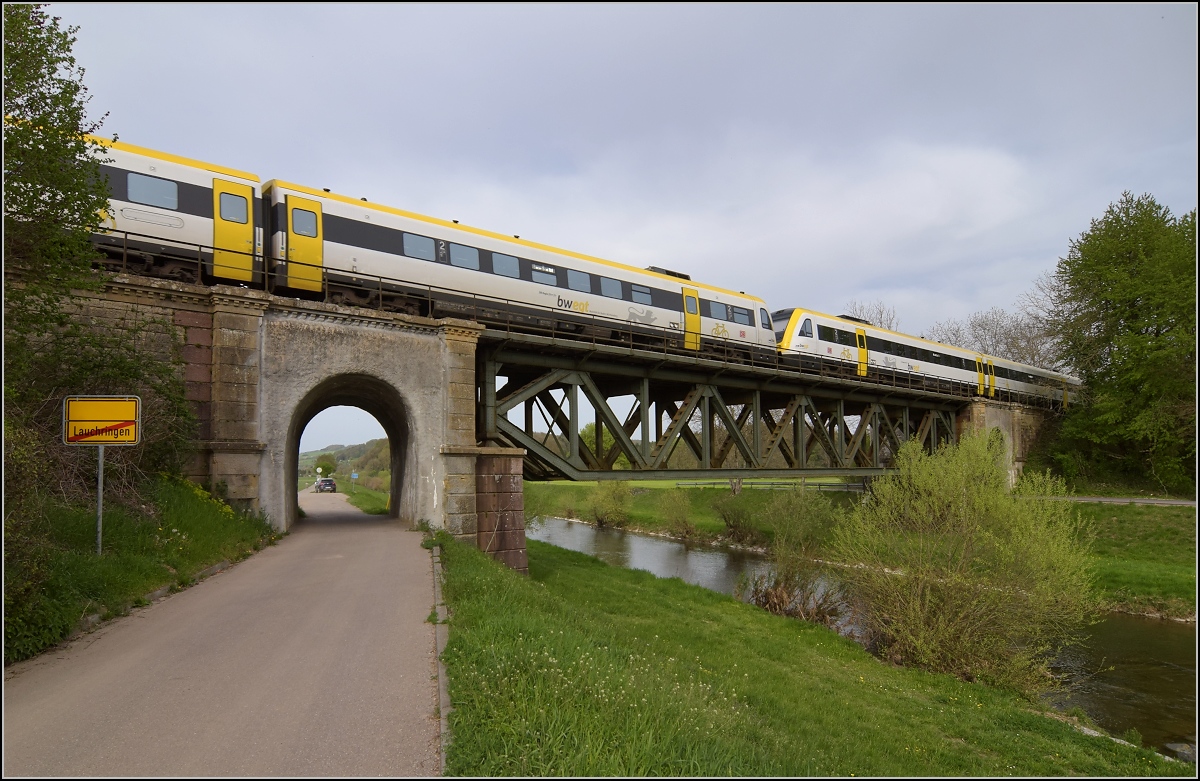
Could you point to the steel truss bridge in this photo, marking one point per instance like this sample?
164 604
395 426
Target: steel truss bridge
735 418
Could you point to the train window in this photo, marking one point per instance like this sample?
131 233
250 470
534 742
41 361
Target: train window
806 329
579 280
152 191
690 303
234 208
826 334
464 257
506 265
610 287
742 316
717 311
304 223
544 274
641 294
418 247
764 319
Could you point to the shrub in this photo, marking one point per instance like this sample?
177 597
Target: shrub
610 504
802 523
676 507
952 572
735 511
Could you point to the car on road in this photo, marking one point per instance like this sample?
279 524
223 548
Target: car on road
326 485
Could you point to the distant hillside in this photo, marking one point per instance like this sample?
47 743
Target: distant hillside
368 457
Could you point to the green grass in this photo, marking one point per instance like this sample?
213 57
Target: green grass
584 669
177 533
573 500
1145 556
370 502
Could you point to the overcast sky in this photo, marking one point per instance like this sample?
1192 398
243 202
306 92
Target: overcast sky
939 158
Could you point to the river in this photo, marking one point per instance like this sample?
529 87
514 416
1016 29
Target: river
1143 670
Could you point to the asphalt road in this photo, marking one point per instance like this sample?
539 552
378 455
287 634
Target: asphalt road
310 658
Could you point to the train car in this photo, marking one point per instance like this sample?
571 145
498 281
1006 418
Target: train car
813 341
358 252
180 218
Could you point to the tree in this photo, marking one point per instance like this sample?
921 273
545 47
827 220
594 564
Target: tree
327 463
54 192
875 312
1122 306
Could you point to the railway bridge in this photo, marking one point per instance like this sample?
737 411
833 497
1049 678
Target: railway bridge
258 367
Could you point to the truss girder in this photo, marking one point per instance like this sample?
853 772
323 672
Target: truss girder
713 418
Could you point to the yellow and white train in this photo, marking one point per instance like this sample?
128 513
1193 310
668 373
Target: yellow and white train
813 341
185 219
195 221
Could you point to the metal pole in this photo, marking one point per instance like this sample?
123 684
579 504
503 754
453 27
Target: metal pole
99 499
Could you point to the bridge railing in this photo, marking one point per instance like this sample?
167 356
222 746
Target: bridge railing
191 262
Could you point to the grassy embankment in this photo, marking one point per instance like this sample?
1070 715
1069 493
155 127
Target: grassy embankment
585 669
180 531
365 499
574 500
1145 554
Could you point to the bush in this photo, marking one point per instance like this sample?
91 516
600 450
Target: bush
735 511
676 507
796 585
950 571
610 504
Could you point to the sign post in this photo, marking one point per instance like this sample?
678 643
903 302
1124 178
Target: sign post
100 421
353 477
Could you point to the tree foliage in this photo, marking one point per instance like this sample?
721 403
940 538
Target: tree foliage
327 464
1122 304
950 571
54 193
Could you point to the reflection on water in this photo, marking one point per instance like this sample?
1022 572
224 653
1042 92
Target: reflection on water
1152 687
718 570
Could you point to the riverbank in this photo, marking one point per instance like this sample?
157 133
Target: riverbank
1145 555
586 669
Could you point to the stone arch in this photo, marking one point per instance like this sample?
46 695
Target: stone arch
375 397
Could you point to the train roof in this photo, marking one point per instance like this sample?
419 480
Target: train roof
502 237
108 143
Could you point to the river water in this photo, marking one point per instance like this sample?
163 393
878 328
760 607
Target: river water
1151 686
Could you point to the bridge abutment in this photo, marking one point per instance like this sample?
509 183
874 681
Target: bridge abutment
1019 424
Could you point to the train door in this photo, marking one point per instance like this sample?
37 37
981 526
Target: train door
691 319
304 244
979 372
233 231
860 336
991 374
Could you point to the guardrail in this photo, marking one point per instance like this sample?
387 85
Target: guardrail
774 486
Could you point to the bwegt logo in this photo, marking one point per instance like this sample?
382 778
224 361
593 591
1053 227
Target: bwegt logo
574 306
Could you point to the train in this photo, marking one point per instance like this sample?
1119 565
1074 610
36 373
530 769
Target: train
185 219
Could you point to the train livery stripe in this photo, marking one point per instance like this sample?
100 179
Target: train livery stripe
121 146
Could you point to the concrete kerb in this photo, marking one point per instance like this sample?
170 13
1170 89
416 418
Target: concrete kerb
441 636
88 623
